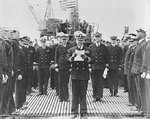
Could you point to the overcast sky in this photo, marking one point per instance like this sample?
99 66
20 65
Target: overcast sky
111 15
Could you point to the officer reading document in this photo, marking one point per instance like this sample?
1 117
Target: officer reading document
79 56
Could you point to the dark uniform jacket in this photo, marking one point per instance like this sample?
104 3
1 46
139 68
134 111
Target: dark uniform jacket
129 59
53 50
16 52
30 57
146 58
115 56
100 54
44 57
60 57
126 60
80 69
138 57
9 52
21 62
3 57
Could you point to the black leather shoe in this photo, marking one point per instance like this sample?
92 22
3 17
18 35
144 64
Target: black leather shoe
67 100
40 94
116 95
101 100
74 116
45 93
84 116
61 100
94 100
125 91
97 99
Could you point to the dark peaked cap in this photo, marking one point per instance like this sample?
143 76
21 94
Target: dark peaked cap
141 30
97 34
113 37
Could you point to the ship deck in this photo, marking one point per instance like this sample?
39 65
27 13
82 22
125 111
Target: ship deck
49 106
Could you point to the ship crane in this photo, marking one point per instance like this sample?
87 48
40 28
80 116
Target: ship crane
38 20
47 26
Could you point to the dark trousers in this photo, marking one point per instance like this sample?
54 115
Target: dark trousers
125 80
7 105
43 80
113 81
143 94
137 83
63 78
79 89
20 93
97 83
146 105
52 83
56 82
35 78
28 75
129 87
132 91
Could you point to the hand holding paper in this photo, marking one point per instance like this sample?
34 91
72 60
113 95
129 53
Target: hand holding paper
84 57
74 54
79 53
5 78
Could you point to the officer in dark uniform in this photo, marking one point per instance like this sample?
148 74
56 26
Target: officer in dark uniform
54 74
137 65
130 75
62 67
30 58
20 91
52 68
124 50
43 59
100 53
7 105
128 64
3 67
114 61
79 56
34 81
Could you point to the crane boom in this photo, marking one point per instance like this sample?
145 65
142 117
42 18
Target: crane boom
33 12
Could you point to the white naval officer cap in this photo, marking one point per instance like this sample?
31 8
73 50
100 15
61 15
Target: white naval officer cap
79 34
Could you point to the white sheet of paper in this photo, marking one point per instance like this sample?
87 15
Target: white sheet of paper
5 77
148 76
105 72
79 53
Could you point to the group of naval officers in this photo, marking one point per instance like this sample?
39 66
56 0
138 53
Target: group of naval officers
24 67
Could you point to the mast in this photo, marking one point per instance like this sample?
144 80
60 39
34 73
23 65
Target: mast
74 17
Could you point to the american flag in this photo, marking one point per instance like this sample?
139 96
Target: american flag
66 4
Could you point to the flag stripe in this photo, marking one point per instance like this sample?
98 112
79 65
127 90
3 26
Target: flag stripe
65 4
72 1
68 4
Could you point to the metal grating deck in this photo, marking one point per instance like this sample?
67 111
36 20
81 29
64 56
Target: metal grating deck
49 106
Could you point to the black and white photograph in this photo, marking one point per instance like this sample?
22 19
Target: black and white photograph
74 59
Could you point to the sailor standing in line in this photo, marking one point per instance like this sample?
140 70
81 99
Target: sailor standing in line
137 66
30 58
100 53
114 61
62 67
43 60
